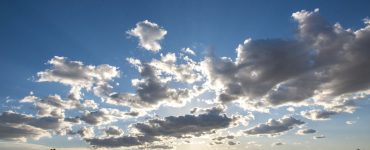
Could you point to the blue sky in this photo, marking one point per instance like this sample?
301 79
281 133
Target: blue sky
253 61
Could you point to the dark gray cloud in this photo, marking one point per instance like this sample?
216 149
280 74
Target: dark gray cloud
172 126
178 126
275 127
319 137
113 131
277 144
305 131
17 126
126 141
20 132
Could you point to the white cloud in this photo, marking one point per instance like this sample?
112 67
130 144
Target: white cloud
149 35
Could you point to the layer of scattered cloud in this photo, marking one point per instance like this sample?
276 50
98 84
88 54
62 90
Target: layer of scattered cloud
324 68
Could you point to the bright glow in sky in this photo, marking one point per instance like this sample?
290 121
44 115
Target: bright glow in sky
255 75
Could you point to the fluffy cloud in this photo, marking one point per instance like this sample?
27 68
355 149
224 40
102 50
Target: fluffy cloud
113 131
324 62
77 75
152 90
188 72
275 127
54 105
149 35
17 126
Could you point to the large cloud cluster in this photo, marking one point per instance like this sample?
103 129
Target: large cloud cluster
324 63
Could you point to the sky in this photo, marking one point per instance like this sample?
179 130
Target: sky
196 74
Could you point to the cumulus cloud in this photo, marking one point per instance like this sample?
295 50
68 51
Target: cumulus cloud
305 131
275 127
324 62
318 114
172 126
17 126
77 75
178 126
113 131
20 132
151 90
103 116
149 35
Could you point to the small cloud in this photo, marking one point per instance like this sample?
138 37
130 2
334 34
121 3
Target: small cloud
319 137
149 35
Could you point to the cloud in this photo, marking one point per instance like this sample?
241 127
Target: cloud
113 131
151 90
54 105
188 51
121 141
305 131
221 138
77 75
156 147
189 72
20 132
318 114
232 143
324 62
169 127
17 126
103 116
319 137
178 126
277 144
86 132
149 35
275 127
